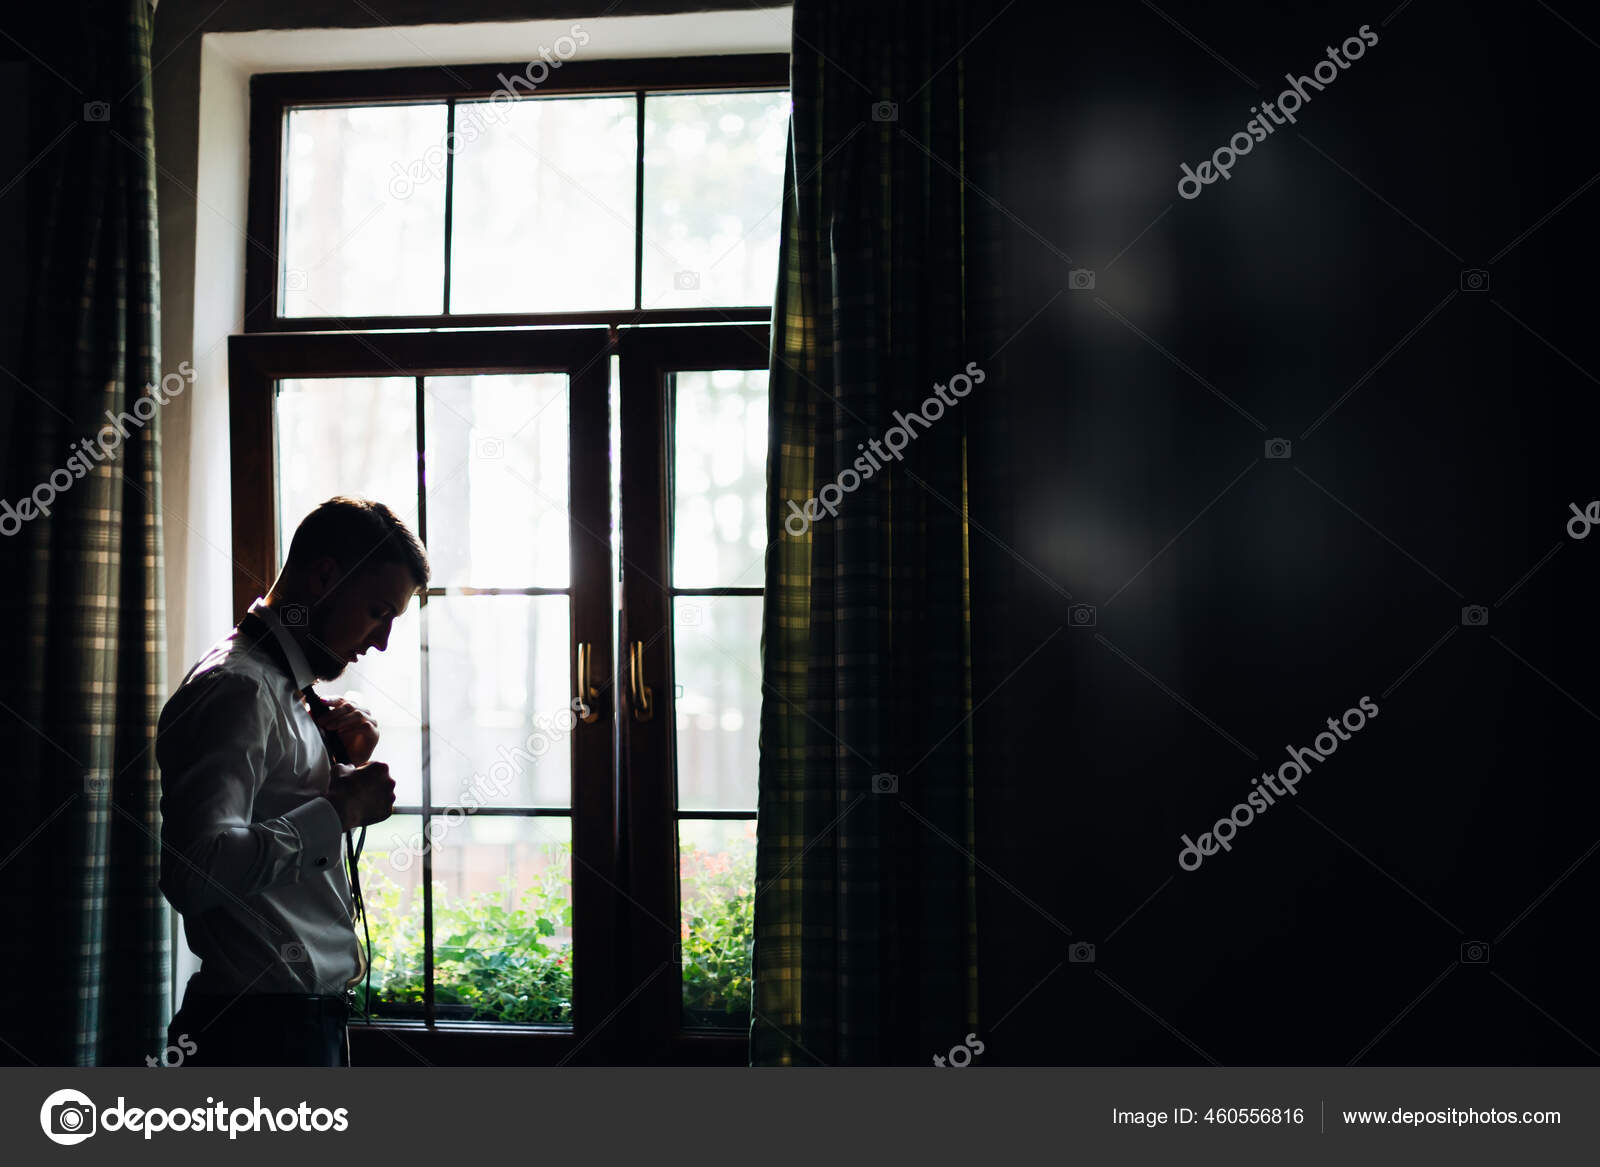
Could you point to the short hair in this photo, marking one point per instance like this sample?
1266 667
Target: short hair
357 532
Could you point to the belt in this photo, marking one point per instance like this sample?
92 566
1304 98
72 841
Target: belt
210 1004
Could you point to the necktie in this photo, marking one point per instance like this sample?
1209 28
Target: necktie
319 707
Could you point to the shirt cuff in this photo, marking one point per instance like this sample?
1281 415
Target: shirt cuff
320 830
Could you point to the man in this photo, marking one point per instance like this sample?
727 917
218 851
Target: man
254 810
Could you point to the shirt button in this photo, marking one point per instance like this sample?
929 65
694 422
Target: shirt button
323 862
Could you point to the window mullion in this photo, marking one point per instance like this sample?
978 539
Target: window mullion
449 191
638 202
426 729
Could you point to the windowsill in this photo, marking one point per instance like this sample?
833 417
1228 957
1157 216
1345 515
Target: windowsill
479 1043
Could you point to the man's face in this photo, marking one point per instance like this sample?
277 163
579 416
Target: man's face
356 616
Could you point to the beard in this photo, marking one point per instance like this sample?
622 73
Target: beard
325 663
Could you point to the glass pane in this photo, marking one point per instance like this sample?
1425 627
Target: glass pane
544 205
717 879
717 659
502 919
363 198
357 435
719 518
389 684
497 480
391 884
345 435
499 700
713 188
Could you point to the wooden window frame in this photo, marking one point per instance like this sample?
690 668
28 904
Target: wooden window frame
256 365
649 811
272 95
623 808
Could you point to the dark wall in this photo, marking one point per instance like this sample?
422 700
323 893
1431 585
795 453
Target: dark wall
1239 601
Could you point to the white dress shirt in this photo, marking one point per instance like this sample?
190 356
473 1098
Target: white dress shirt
250 847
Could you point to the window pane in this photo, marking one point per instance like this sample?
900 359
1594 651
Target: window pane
389 684
719 518
717 659
502 919
543 219
363 206
497 480
358 436
716 879
500 700
345 435
713 186
391 885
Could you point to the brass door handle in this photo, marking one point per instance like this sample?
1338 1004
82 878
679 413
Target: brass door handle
643 705
588 695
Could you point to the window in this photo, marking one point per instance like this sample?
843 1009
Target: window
546 347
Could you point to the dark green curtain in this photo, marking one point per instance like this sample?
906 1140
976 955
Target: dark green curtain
81 588
865 925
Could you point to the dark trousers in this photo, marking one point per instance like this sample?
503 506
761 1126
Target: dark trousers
260 1029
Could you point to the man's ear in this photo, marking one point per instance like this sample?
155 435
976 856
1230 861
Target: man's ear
322 575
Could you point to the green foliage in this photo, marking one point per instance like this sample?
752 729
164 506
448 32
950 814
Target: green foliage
718 924
497 955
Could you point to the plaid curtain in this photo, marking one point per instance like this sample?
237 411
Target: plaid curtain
865 932
81 586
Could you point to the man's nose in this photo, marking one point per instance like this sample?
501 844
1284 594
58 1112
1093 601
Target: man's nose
382 641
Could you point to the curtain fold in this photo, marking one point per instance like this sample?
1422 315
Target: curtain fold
81 572
865 925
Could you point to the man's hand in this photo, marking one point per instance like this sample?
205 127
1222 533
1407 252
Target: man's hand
362 795
353 726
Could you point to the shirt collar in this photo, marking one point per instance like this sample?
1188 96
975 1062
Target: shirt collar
292 651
